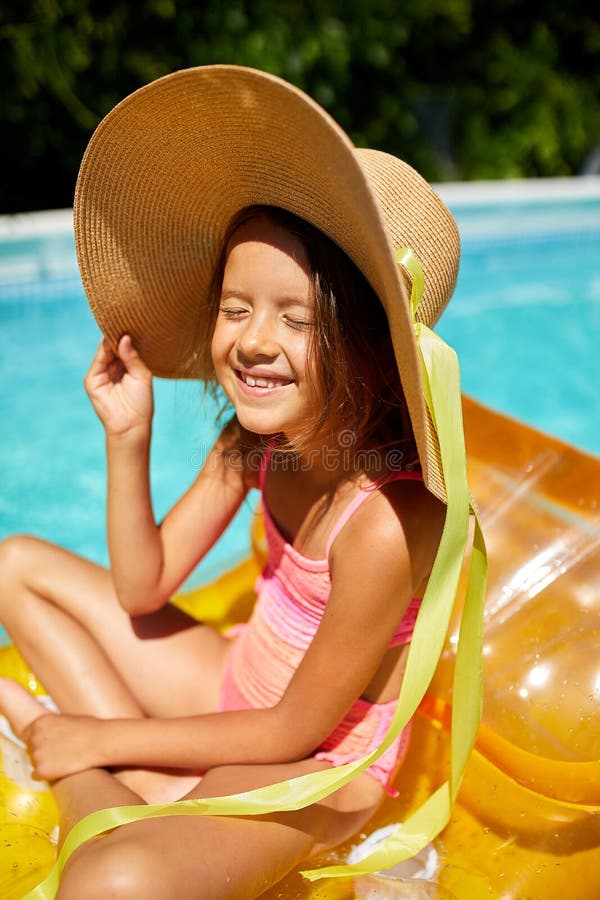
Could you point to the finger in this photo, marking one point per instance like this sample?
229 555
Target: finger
101 358
105 349
37 776
27 731
131 358
42 772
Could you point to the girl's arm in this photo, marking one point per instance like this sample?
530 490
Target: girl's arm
376 569
148 561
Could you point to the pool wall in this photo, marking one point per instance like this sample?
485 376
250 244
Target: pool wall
37 250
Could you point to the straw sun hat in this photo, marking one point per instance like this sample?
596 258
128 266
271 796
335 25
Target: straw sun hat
167 169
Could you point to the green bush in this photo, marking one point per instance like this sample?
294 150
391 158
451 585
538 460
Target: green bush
460 88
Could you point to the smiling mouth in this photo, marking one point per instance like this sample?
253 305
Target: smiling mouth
260 381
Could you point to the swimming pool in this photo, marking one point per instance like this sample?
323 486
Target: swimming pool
525 318
525 321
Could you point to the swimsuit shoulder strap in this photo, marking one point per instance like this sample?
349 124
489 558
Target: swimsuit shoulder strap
363 495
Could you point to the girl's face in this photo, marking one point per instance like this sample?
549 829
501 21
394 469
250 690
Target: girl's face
261 339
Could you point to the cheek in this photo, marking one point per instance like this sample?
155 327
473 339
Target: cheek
217 346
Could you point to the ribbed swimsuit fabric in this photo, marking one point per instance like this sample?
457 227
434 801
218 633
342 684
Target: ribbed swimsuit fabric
292 592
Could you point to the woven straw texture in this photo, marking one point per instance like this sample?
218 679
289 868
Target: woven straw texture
167 169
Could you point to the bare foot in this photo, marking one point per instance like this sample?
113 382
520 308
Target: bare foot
155 786
18 705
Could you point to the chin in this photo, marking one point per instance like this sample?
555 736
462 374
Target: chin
265 426
258 426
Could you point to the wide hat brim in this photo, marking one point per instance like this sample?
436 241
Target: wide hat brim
171 164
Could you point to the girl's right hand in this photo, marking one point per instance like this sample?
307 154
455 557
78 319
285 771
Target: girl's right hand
119 386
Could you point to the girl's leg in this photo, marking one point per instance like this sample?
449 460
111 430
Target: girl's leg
91 656
78 794
221 858
196 857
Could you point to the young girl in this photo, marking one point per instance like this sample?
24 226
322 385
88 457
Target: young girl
228 229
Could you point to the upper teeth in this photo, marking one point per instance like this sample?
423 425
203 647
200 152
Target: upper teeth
260 382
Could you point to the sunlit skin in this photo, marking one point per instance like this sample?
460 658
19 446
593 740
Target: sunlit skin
263 328
138 682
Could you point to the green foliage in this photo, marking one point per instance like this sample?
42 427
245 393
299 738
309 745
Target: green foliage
459 88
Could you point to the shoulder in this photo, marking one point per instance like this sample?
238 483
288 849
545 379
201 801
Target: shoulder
416 508
398 528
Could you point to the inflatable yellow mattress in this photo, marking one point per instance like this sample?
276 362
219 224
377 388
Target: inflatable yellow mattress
527 822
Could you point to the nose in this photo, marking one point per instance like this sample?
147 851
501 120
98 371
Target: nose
257 339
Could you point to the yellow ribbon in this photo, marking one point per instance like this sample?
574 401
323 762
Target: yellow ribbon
442 391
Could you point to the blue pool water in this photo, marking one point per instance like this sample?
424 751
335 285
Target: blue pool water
52 449
525 321
525 317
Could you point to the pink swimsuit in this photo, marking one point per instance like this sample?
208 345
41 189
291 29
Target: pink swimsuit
292 593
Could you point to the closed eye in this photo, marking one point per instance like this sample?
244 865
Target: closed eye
230 312
298 324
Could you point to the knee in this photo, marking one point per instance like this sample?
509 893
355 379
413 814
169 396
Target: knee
15 558
122 869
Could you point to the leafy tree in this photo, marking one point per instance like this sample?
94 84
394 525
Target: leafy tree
460 88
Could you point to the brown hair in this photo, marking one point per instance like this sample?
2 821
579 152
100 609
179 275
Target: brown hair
359 391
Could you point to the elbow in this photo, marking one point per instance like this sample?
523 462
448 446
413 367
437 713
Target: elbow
294 738
140 603
138 610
